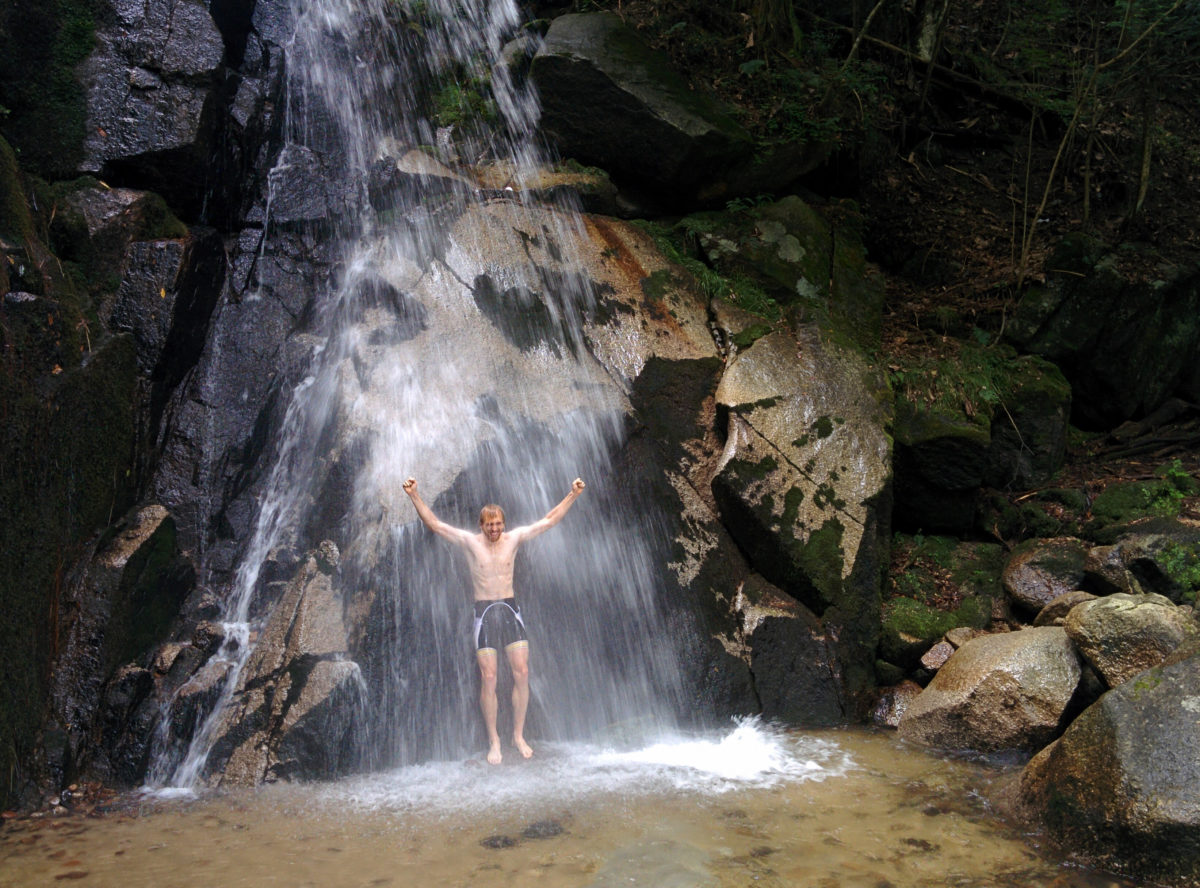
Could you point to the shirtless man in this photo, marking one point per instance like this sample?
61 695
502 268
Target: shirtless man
491 554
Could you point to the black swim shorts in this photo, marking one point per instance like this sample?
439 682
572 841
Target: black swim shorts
498 624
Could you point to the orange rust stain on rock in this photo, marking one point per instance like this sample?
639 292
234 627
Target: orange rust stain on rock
615 247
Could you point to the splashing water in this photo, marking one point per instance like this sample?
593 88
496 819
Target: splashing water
449 345
751 756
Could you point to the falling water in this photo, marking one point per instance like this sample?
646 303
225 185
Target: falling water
438 352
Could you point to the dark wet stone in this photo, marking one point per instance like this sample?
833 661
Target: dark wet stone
920 844
498 842
543 829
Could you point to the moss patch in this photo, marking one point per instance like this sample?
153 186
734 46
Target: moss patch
41 44
65 472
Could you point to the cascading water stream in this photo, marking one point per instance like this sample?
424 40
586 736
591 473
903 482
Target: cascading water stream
431 358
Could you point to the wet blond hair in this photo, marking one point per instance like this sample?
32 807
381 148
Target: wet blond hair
491 510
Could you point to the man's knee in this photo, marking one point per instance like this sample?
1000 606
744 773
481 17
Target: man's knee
487 668
518 661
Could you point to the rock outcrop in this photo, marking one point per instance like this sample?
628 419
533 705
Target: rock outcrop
597 80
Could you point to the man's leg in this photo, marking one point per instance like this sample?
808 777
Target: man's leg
488 660
518 660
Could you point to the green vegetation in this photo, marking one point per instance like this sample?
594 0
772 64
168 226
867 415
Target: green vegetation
912 617
1181 564
672 242
41 44
466 105
974 381
67 440
1123 502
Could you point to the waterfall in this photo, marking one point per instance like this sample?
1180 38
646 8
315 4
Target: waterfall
430 357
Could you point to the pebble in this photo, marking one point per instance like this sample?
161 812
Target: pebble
498 842
543 829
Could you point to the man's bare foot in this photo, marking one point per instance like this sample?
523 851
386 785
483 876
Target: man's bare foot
523 747
493 755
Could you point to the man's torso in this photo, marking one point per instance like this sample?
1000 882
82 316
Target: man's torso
491 566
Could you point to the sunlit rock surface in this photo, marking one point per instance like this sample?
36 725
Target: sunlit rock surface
998 692
1122 635
804 482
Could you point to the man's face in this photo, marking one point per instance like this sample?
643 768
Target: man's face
492 528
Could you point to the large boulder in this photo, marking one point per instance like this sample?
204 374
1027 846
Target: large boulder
805 480
598 83
1122 635
1001 692
1122 785
1040 571
987 418
1124 345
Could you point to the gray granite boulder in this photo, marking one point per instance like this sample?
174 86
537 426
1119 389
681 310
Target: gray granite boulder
998 692
1121 787
1122 635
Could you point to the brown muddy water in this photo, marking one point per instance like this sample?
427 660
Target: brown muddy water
756 807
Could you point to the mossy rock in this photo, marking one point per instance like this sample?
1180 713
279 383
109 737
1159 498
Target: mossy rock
1127 501
41 46
1046 513
814 268
16 222
936 584
66 467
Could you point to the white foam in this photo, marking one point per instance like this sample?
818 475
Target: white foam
752 755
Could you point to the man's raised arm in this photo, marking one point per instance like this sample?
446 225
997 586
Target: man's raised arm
554 516
430 520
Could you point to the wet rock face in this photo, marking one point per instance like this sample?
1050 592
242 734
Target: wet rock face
225 329
798 678
998 692
127 596
152 97
1122 785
